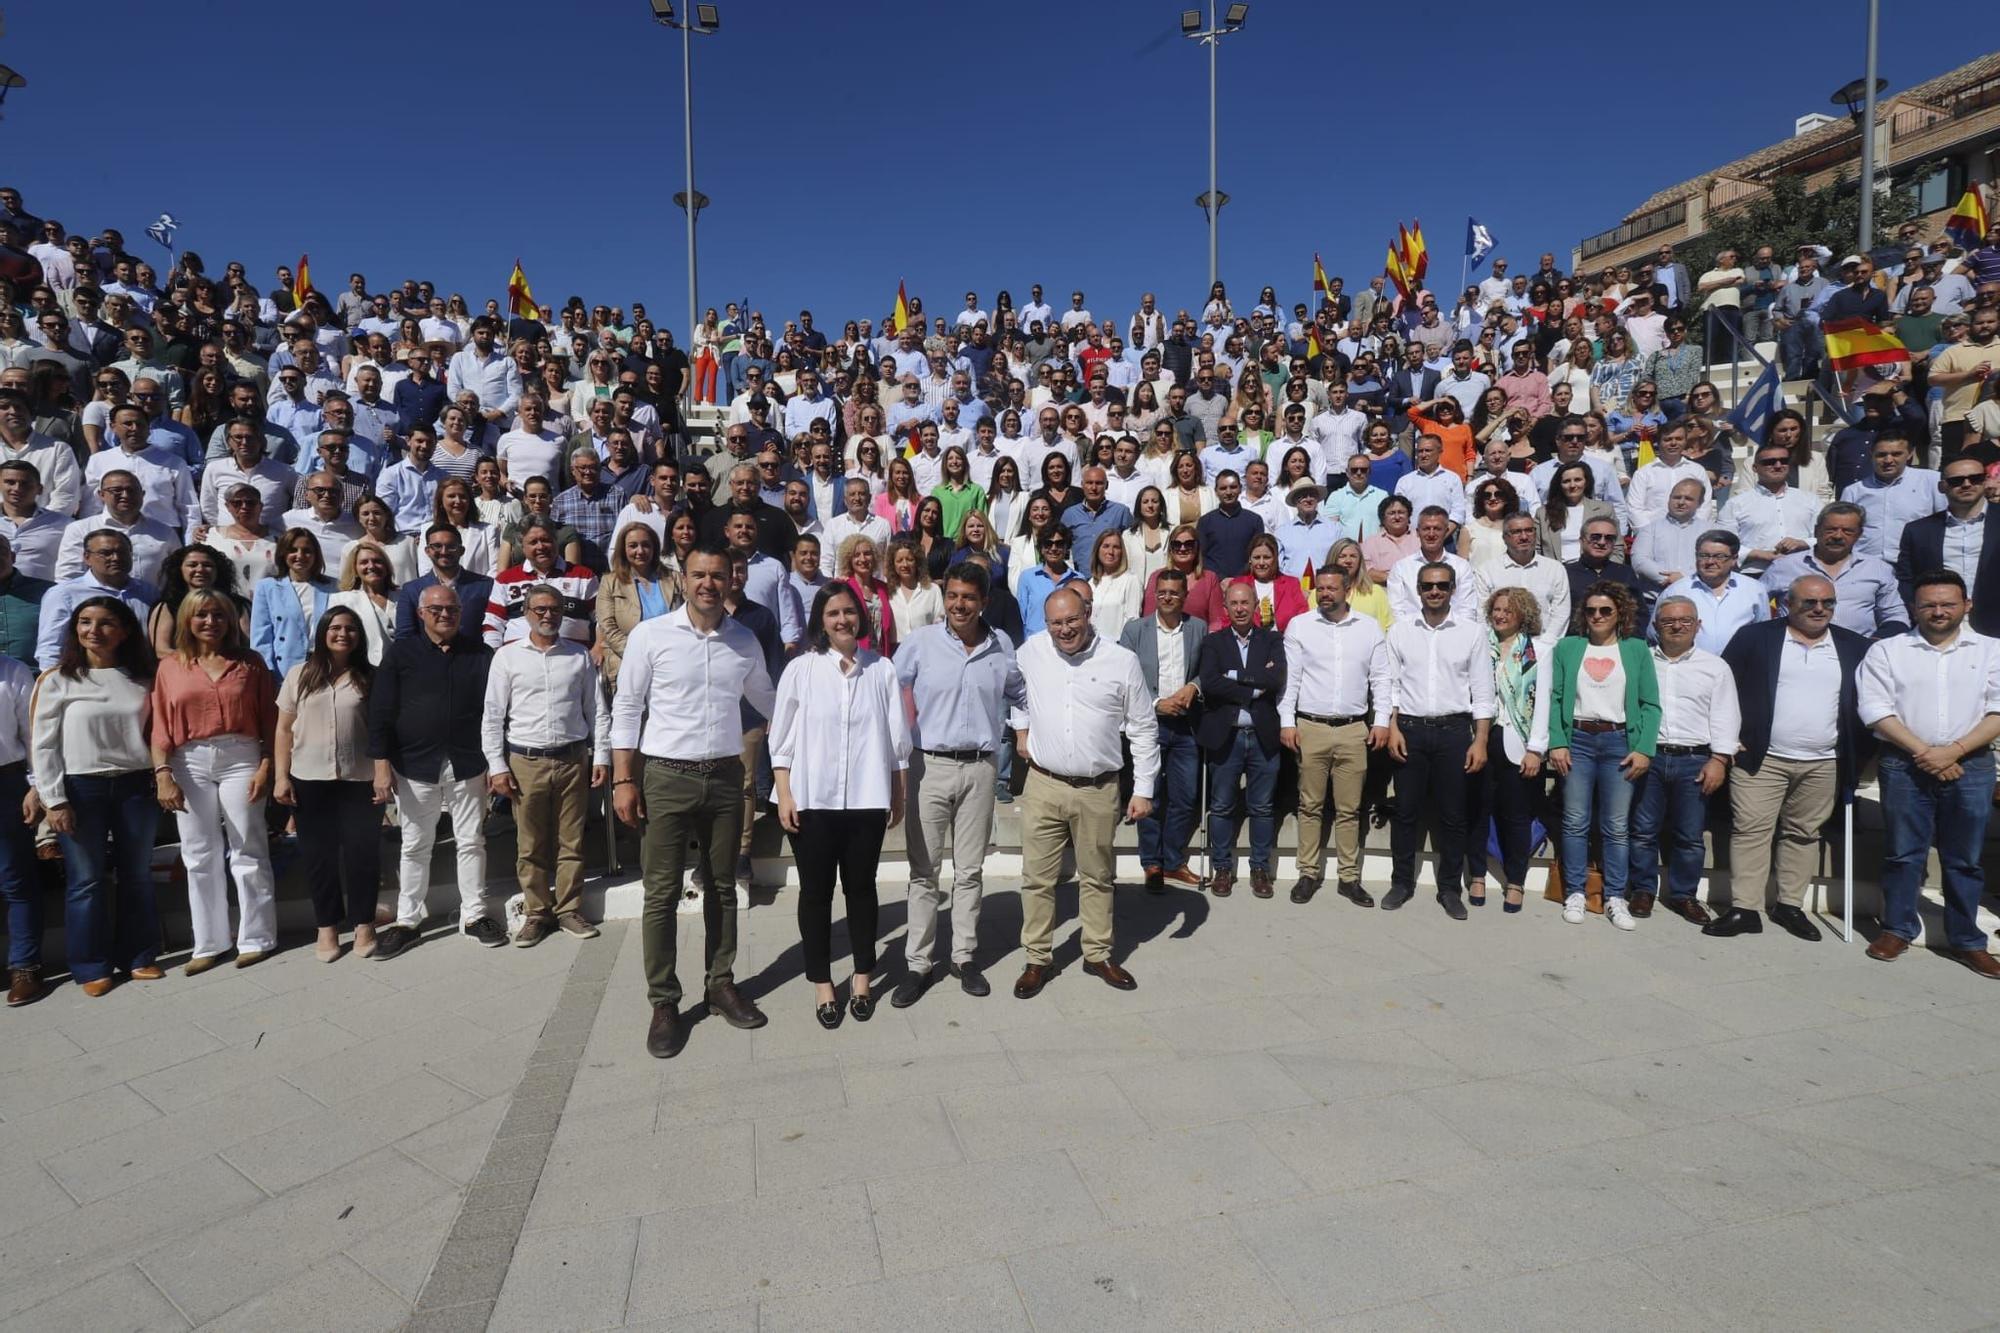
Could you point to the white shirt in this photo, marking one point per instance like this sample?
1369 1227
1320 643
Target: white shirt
168 487
1443 488
1761 518
1545 579
1339 437
62 479
1406 604
842 526
1169 644
1698 704
273 480
1078 705
1334 666
679 688
17 689
543 700
841 734
526 454
36 541
1805 719
1651 484
1939 693
1600 695
1439 669
335 535
150 543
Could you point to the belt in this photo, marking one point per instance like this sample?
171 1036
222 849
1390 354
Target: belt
1069 781
960 756
700 766
1595 727
571 751
1331 721
1438 720
1683 749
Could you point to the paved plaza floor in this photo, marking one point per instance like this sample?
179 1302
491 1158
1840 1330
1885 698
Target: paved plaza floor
1305 1117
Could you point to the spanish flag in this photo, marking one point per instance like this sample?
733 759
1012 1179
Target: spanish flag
302 284
1321 287
1416 255
1854 343
902 308
521 300
1968 222
1397 273
1306 579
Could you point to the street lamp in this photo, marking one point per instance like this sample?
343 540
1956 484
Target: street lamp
1858 96
1232 21
10 79
705 21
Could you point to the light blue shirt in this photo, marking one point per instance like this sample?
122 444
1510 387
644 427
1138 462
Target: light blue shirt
1215 460
1890 505
61 601
767 586
1086 527
1301 543
410 494
1358 515
301 420
1740 601
1036 585
962 698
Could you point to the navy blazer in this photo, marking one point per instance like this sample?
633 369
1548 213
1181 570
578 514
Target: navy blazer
1222 697
1402 393
1923 551
473 594
1753 656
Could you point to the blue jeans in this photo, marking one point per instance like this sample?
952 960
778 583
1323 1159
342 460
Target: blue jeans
1244 761
1164 834
116 817
1921 810
1667 804
1596 788
18 880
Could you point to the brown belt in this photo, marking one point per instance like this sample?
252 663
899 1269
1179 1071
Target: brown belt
700 767
1069 781
1595 727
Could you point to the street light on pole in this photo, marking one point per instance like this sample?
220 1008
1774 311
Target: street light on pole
1858 96
705 21
1233 17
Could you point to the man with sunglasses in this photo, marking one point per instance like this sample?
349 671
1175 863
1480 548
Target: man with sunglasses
1772 518
1963 538
1798 760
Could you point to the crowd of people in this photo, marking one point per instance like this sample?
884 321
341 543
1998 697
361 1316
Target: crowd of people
272 564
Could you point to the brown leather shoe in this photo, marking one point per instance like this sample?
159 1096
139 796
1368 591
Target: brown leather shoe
1033 977
1979 960
1688 909
1111 975
1888 948
101 986
738 1012
147 973
1222 883
1640 905
196 966
1182 876
24 986
667 1035
1260 883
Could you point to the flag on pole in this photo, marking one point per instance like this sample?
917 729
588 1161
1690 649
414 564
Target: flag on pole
1416 255
1856 342
1752 416
163 231
1321 287
520 298
1968 222
1306 579
1478 243
902 320
1397 273
301 283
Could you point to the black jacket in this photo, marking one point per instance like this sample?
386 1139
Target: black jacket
1923 551
1257 687
1754 655
425 705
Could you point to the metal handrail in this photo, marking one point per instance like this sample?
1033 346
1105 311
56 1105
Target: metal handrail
1731 321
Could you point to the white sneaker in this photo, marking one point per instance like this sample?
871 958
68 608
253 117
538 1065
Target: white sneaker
1619 914
1573 909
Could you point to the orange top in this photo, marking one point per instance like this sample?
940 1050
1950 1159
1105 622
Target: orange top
188 706
1459 446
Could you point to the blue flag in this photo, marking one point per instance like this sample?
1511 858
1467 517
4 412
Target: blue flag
1478 243
1752 417
164 229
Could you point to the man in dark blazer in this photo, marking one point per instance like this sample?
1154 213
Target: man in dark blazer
1242 678
1928 543
1798 759
444 548
1413 382
1164 834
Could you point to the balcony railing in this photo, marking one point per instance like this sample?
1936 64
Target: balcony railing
1660 219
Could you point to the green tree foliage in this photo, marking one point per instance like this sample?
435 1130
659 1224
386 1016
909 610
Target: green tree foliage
1790 216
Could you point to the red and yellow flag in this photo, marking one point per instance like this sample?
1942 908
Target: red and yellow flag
1321 287
302 283
1306 579
1854 343
902 307
1416 255
1968 222
1397 273
520 299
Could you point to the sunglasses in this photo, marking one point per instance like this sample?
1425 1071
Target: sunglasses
1966 479
1599 536
1435 587
1814 603
1597 612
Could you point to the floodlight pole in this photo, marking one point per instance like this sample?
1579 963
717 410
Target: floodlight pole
1868 134
1211 202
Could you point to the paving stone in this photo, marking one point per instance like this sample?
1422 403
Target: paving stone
401 1254
118 1161
1578 1296
1066 1049
1729 1172
952 1215
1938 1235
772 1246
33 1199
121 1298
649 1173
1534 1113
1490 1047
104 1067
56 1129
329 1140
1186 1173
227 1072
1401 1317
969 1298
1196 1275
1015 1121
569 1277
27 1050
808 1149
1204 1089
948 1063
1883 1144
1549 1210
336 1296
378 1062
1229 1026
1359 1143
1366 1065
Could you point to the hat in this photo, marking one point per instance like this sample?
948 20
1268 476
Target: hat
1302 488
1852 260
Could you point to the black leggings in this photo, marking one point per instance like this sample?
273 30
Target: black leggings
340 836
847 843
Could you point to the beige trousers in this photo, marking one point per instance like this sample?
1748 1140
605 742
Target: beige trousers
1055 814
1788 798
1339 755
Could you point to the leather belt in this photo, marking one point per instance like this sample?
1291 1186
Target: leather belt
574 750
1595 727
1069 781
1325 721
960 756
1437 720
702 767
1683 749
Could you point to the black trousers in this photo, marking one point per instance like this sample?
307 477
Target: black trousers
847 844
1499 794
340 836
1432 775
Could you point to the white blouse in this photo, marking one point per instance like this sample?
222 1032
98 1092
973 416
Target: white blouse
841 734
1114 601
92 727
914 608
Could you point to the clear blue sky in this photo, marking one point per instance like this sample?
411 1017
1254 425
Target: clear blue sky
951 145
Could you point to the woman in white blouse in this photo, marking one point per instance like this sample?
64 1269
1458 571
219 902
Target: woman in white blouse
456 504
1114 586
914 601
93 773
1146 539
840 743
368 586
378 524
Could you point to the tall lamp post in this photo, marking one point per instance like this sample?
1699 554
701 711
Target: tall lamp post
1858 96
1232 21
705 21
10 79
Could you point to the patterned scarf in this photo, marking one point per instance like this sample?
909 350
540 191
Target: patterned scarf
1514 680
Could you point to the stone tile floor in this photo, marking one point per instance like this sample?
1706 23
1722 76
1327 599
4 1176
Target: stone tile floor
1310 1117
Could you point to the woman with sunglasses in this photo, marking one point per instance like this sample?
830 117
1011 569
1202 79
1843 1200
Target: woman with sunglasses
1494 501
112 388
1604 722
1615 375
1674 369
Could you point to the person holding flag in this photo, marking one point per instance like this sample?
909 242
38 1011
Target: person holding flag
901 319
524 316
1969 223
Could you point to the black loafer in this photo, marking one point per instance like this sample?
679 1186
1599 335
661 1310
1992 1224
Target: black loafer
1357 895
1796 921
829 1014
1396 897
910 989
971 980
1303 891
862 1007
1453 905
1735 921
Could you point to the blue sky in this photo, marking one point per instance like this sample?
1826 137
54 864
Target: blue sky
952 146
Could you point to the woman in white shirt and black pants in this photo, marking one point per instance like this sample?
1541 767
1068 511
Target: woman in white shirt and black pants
840 743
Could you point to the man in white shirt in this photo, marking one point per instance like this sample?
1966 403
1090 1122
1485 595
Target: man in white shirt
1441 708
1521 566
531 449
1338 678
120 495
1431 485
1647 496
324 517
1699 723
1895 495
1773 518
169 497
34 531
547 736
681 688
1083 692
1405 601
1337 431
55 462
246 465
1462 384
1933 696
1663 550
857 520
488 372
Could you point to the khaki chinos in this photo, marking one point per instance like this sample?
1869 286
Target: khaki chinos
548 822
703 803
1056 813
1338 754
1791 798
954 799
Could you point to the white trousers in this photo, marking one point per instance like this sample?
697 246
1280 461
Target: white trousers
418 805
214 777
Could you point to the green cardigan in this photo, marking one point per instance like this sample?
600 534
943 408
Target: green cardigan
1642 692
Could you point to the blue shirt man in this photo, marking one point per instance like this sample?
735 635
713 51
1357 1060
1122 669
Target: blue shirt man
1308 537
1226 531
1094 515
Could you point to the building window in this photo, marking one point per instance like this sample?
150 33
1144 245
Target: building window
1936 189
